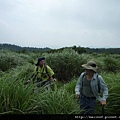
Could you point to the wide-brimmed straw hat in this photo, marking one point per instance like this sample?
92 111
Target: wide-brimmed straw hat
39 59
91 65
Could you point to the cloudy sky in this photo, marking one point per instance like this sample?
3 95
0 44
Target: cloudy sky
60 23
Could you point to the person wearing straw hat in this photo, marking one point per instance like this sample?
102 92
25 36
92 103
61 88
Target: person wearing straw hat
88 87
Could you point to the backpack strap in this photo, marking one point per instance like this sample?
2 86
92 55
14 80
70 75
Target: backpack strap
82 78
98 81
35 75
46 70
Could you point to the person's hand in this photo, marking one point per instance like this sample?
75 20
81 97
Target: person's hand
103 102
77 96
54 80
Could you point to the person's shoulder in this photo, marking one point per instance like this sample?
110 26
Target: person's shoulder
82 74
99 76
47 66
36 68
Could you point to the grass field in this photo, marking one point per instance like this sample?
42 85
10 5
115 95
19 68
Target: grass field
17 98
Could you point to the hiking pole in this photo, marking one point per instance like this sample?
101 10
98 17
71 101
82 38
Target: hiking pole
103 111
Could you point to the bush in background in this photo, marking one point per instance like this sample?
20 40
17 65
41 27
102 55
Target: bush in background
10 60
66 64
111 64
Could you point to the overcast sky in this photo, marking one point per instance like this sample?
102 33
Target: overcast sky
60 23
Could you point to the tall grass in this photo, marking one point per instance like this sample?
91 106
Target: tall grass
17 98
113 102
112 64
59 101
66 64
14 97
10 59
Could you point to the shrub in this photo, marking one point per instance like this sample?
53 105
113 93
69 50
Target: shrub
58 101
66 64
10 60
111 64
14 97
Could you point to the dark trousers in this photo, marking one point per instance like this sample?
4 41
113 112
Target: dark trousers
87 105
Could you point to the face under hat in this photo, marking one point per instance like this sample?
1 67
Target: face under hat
39 59
91 65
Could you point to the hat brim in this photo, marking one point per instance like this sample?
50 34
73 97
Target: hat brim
88 67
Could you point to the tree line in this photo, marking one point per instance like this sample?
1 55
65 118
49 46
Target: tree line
78 49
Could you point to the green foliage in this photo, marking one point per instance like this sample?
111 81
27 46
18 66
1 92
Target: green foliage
23 72
79 49
22 49
70 86
9 60
16 98
66 64
113 102
111 64
58 101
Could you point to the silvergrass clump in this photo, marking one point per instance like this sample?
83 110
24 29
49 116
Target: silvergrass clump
23 72
111 64
70 86
66 64
58 101
10 60
15 98
113 83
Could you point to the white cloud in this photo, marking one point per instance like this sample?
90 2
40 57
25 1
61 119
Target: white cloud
59 23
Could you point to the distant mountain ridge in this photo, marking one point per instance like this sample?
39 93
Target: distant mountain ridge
78 49
19 48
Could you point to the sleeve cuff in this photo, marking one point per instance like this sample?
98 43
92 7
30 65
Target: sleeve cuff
78 93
